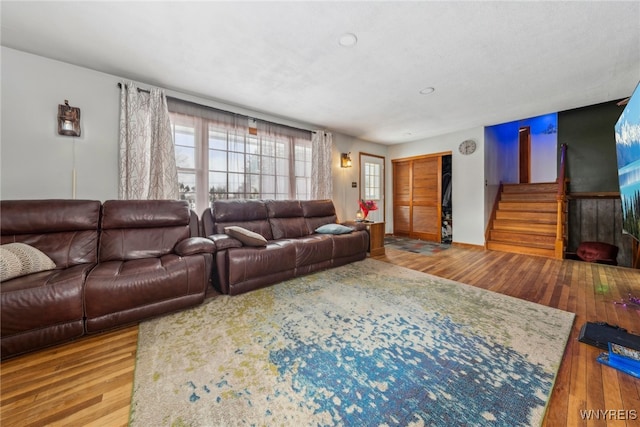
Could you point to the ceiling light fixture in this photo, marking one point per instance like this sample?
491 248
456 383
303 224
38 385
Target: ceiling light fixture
427 90
348 40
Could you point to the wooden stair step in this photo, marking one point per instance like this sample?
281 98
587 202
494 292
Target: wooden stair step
524 226
520 249
548 217
528 206
545 239
550 187
525 220
526 197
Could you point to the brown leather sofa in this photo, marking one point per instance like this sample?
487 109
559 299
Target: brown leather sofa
292 247
116 264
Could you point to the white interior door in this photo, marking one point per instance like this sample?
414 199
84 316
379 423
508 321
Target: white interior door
372 183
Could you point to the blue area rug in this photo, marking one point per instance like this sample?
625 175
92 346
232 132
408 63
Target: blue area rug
364 344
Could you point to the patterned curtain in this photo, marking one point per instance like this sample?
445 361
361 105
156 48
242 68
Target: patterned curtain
321 181
147 155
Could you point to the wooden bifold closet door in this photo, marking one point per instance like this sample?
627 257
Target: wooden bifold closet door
417 197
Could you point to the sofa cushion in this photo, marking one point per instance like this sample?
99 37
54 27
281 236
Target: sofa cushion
287 219
318 212
313 249
65 230
136 229
249 214
247 237
42 309
347 245
19 259
334 229
121 292
248 263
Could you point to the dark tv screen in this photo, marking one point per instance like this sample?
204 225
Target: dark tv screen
628 154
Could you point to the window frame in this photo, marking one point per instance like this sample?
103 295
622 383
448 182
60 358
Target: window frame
286 148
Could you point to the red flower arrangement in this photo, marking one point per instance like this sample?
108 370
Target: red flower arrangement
366 206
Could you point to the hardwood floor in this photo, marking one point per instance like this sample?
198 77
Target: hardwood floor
89 382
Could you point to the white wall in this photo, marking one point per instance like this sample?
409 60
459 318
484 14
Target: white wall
345 197
468 181
36 162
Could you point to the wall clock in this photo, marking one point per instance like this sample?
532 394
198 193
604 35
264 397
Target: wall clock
467 147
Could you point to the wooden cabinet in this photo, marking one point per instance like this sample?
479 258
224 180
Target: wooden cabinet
417 197
376 238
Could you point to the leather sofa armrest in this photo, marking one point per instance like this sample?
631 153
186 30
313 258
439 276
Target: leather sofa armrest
224 241
357 226
195 245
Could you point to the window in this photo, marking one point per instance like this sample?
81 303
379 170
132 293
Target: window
218 157
372 180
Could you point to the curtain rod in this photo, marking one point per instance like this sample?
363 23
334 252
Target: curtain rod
219 109
139 90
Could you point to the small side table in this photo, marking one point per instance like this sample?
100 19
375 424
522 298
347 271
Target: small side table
376 238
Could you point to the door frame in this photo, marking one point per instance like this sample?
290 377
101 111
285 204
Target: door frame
524 154
410 160
382 184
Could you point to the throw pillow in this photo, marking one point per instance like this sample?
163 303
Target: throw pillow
334 229
247 237
20 259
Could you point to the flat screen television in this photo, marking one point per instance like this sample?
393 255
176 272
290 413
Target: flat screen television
627 130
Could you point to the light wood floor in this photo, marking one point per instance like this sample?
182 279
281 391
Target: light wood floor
89 382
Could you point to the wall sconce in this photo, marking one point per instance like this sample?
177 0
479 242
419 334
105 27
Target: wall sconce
345 160
68 120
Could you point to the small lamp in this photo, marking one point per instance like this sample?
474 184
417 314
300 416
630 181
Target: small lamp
345 160
68 120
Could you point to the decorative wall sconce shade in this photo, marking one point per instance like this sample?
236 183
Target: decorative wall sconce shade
68 120
345 160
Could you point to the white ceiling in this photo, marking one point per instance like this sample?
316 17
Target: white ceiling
489 62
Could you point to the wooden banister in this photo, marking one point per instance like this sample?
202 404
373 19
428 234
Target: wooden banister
562 199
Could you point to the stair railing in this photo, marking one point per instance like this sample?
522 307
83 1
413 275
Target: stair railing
562 201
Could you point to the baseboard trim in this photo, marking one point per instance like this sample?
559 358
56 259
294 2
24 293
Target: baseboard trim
467 245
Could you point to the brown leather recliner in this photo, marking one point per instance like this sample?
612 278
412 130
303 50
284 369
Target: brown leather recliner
115 264
45 308
148 263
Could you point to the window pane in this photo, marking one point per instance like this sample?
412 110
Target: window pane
282 166
236 183
269 185
268 147
253 146
372 181
268 165
253 164
302 188
236 143
217 160
217 139
236 162
253 186
218 183
282 185
187 190
184 136
185 157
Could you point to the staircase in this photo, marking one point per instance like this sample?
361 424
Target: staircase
526 220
